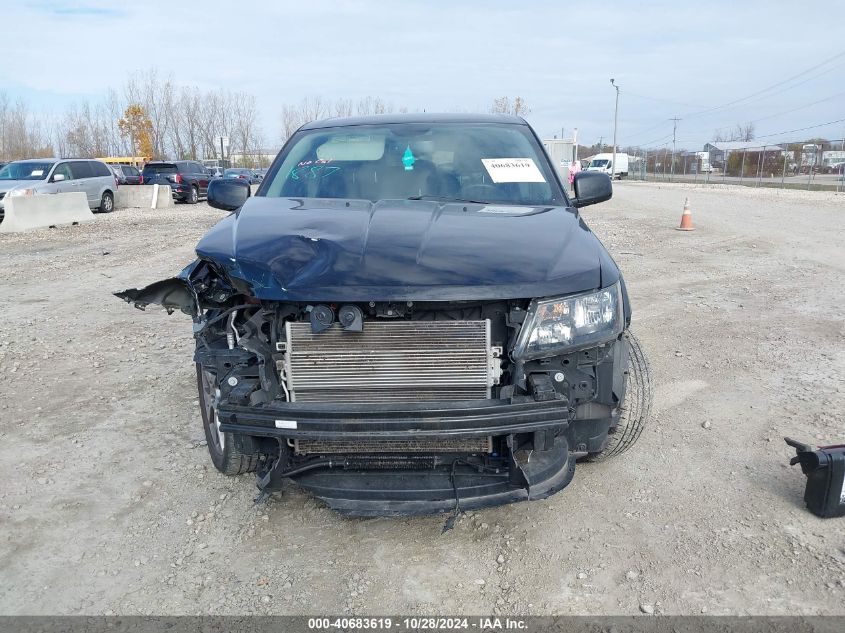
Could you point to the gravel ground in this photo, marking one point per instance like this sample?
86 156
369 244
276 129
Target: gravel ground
109 503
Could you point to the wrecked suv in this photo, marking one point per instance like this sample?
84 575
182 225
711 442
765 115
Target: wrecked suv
410 316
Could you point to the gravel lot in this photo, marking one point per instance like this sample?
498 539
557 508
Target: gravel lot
109 503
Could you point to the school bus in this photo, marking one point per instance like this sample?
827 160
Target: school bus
135 161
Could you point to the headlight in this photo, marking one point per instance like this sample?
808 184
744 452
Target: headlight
22 192
555 326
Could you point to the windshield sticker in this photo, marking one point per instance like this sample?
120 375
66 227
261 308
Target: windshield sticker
512 170
507 210
408 159
37 172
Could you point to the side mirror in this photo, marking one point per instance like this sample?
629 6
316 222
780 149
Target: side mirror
591 187
228 194
58 177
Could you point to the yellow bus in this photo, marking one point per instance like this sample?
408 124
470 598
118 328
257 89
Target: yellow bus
135 161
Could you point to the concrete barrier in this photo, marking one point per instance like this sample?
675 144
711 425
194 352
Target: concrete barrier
161 198
23 213
143 196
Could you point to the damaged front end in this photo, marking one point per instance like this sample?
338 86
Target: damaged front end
394 407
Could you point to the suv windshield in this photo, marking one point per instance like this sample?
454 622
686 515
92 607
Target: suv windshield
501 163
25 171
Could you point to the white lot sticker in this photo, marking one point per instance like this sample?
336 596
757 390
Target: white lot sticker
512 170
506 210
285 424
37 172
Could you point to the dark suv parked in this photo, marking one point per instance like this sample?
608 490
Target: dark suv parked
410 316
187 179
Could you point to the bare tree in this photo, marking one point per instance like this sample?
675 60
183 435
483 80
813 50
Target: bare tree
373 105
504 105
21 134
738 133
244 126
343 107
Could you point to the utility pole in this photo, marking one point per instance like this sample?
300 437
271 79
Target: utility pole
674 131
615 120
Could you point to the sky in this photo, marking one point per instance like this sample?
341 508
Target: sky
713 64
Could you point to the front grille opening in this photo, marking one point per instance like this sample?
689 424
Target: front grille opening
418 445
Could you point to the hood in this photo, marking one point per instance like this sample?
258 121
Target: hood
6 185
354 250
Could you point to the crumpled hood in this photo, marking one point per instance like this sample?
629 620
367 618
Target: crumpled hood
398 250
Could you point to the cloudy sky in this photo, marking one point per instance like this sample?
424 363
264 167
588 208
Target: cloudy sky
712 63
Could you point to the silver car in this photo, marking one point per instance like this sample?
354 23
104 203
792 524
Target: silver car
51 175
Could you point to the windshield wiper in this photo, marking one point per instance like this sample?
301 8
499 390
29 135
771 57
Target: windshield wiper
447 199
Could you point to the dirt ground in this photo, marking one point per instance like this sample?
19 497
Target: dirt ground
109 503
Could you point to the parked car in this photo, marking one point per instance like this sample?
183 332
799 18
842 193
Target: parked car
410 317
127 174
241 173
50 175
215 172
188 180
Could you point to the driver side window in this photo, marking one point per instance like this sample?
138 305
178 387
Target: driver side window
64 169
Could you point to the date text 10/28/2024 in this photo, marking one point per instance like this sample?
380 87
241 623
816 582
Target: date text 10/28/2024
417 624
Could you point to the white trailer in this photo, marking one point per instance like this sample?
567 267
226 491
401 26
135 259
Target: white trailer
562 153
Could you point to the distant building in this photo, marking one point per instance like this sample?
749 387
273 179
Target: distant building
719 151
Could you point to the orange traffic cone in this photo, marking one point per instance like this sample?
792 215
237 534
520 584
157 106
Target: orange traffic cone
686 218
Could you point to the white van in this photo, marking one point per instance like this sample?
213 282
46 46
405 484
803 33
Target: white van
50 175
604 163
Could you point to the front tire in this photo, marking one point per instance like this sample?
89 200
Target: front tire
225 454
636 406
106 203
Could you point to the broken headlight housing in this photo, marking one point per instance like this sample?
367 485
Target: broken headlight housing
564 324
21 192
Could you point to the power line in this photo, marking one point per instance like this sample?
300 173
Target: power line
772 116
768 88
647 130
657 140
800 129
750 98
662 100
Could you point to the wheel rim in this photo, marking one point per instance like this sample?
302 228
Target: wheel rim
211 419
193 195
107 203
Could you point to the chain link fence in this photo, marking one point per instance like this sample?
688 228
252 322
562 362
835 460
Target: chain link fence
786 165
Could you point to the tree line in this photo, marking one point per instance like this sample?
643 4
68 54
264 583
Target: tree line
152 117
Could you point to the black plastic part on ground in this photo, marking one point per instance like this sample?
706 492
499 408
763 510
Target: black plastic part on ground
825 470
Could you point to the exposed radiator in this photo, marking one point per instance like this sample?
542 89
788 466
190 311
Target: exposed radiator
403 361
